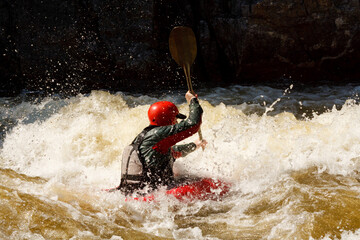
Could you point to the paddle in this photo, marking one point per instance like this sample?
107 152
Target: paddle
182 44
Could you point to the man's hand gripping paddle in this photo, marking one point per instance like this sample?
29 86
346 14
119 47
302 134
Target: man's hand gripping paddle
183 49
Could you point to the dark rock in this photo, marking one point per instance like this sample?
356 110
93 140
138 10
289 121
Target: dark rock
76 46
11 83
264 40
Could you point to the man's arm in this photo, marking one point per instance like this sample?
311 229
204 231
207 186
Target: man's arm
182 150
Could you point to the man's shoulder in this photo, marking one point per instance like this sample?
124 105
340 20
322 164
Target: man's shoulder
158 131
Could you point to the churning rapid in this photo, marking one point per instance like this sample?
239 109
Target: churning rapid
292 157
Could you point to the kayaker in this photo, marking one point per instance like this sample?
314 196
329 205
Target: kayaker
148 162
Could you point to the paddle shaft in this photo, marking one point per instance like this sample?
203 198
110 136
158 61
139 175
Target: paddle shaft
186 68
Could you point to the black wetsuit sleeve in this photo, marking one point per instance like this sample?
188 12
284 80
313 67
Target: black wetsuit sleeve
184 149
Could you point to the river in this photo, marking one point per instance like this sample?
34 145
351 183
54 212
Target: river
292 156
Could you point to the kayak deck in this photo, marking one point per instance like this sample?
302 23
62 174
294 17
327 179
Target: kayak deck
204 189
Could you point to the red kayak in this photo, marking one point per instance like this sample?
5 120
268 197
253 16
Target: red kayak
205 189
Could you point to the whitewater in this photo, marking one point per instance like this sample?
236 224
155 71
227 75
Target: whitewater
291 154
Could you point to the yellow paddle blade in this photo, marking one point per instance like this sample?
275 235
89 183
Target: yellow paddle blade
182 44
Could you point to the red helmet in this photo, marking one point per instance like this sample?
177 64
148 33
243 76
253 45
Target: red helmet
163 113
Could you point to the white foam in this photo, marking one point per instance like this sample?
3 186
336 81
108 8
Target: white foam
83 142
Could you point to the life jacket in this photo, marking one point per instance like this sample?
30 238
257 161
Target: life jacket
134 174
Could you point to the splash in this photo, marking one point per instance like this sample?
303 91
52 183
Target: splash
85 138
